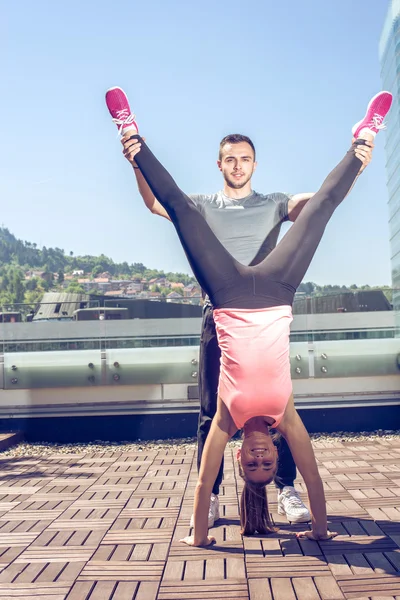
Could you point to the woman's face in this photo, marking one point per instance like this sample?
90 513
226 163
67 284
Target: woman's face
258 457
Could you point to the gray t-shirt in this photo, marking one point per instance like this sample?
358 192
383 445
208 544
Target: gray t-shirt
249 227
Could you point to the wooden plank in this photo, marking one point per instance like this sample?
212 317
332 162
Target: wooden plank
103 590
328 588
358 563
305 588
122 571
54 554
282 589
199 590
50 591
372 585
51 573
126 590
159 551
195 570
81 590
338 564
259 589
141 552
357 544
71 571
380 563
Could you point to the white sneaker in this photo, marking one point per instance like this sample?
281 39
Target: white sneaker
213 513
291 505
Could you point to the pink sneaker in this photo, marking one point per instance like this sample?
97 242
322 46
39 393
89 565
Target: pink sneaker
377 110
118 105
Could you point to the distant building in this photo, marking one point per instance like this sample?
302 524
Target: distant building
116 293
361 301
154 295
117 284
136 286
46 275
129 293
56 306
174 296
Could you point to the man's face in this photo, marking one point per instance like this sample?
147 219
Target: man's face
237 164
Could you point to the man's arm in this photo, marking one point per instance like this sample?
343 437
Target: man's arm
131 148
298 201
150 200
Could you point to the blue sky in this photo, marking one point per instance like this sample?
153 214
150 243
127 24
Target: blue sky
294 76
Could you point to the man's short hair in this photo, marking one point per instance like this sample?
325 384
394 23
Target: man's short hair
235 138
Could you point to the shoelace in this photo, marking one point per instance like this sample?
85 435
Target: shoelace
123 118
377 122
293 499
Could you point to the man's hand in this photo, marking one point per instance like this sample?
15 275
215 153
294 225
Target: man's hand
131 148
311 535
189 540
364 153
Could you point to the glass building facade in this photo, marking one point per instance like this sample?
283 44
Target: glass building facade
389 55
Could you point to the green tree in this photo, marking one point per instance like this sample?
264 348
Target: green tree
97 270
6 300
138 268
16 286
75 288
31 284
34 296
5 282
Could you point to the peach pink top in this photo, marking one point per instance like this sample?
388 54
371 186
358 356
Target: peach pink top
255 368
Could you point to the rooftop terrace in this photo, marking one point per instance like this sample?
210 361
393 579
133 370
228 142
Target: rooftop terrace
106 525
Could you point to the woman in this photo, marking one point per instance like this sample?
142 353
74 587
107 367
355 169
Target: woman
252 311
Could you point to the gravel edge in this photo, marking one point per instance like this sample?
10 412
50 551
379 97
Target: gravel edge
47 449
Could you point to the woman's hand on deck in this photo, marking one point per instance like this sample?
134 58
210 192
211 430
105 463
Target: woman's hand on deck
189 540
311 535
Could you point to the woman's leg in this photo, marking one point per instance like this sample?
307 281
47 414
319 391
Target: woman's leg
218 273
282 271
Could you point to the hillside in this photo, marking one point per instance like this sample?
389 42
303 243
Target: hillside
17 257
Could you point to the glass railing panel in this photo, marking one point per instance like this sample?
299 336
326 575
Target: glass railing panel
357 358
44 346
150 366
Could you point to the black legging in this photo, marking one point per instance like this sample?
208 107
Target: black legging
228 283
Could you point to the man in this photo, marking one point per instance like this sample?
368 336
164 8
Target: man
247 224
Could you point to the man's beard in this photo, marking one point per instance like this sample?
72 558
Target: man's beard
237 185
